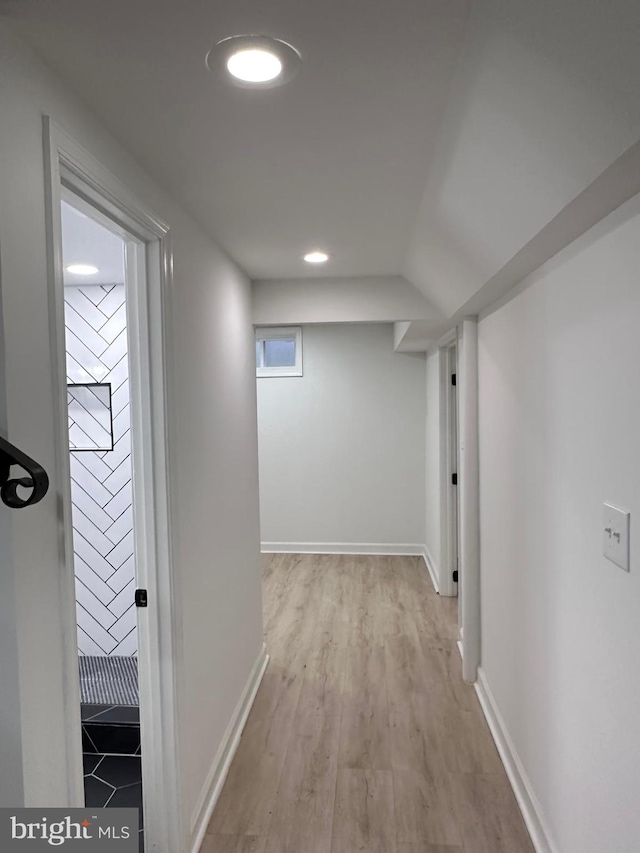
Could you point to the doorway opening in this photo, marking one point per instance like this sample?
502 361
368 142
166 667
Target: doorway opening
74 176
450 585
101 468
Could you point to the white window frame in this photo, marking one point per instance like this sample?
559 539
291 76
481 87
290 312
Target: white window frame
271 333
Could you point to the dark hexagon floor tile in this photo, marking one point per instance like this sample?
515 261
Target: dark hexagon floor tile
90 762
113 739
89 711
123 715
128 798
87 743
120 770
96 792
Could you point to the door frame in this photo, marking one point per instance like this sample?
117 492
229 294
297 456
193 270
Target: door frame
449 464
469 499
149 278
465 340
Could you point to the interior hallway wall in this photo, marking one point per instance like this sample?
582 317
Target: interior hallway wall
559 427
342 448
213 441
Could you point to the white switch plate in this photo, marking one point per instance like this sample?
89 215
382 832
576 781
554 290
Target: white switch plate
615 536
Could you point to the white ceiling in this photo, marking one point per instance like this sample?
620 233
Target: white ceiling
85 241
455 143
338 158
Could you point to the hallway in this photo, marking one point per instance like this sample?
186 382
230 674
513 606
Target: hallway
363 736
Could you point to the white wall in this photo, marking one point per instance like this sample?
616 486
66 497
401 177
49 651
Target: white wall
11 782
213 436
559 427
370 299
342 447
432 461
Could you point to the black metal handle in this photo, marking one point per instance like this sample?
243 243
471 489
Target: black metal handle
37 480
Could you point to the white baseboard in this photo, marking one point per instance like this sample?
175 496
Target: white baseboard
527 800
221 763
342 548
431 566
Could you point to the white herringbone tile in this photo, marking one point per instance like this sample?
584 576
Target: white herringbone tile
84 331
120 477
93 464
83 355
124 625
120 398
123 600
77 373
116 349
121 449
93 292
121 424
95 317
92 558
129 646
92 486
120 502
122 551
121 526
98 587
120 578
87 506
94 629
110 303
91 533
92 605
79 301
86 646
118 375
114 325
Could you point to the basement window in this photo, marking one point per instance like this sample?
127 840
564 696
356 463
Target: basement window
279 351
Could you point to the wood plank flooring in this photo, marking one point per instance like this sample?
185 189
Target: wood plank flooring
363 737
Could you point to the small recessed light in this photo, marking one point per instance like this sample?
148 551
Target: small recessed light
316 257
254 62
254 66
82 269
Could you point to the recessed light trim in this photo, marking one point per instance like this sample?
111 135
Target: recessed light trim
254 62
316 257
82 269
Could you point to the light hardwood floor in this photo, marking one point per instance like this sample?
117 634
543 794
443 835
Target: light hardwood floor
363 736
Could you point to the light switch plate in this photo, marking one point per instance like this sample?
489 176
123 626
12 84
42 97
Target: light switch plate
615 536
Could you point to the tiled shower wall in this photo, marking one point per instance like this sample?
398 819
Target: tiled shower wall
101 488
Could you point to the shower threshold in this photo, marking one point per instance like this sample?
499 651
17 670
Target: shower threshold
109 680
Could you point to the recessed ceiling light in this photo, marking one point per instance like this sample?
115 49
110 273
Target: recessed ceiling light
254 66
254 62
82 269
316 257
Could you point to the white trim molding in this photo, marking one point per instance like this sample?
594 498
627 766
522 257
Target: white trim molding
522 788
383 550
431 566
224 756
449 465
469 499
